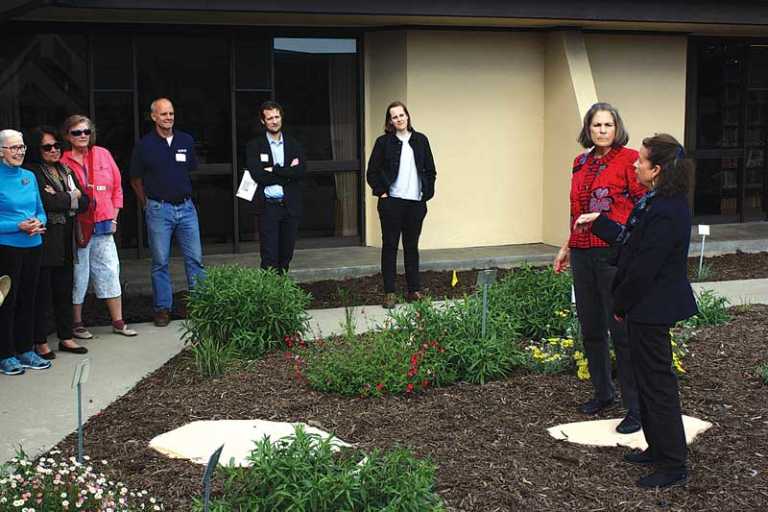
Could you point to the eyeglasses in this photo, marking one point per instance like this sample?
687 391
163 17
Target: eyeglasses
50 147
77 133
16 149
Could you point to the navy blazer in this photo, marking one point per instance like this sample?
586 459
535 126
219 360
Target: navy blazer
651 284
289 177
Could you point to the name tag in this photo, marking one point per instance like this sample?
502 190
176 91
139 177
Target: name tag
101 188
264 157
181 157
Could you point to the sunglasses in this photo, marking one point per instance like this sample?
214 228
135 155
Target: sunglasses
77 133
50 147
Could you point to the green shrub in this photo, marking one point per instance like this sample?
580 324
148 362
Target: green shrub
374 364
213 358
713 310
537 300
305 473
421 345
251 309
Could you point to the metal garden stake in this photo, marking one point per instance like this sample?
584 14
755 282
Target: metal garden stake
703 232
212 463
80 377
485 278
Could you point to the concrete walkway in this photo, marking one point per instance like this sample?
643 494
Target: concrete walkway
37 410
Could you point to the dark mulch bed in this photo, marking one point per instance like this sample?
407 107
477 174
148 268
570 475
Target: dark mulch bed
489 442
369 290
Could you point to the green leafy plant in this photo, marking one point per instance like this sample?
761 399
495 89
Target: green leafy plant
58 484
349 326
374 364
705 273
762 372
242 312
306 473
713 310
535 299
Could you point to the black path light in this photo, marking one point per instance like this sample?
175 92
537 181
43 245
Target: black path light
208 475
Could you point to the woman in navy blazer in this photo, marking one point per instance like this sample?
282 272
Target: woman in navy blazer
651 294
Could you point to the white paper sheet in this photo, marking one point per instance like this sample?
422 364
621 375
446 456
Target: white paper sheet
247 187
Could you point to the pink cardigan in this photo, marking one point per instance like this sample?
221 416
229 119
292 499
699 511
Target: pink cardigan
108 189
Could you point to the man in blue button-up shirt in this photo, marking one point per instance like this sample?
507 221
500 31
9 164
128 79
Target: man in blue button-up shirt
276 162
160 168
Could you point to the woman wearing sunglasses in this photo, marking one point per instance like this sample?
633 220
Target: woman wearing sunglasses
97 258
62 199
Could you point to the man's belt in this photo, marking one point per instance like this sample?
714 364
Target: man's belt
174 202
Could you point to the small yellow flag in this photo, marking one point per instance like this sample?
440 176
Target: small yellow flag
454 280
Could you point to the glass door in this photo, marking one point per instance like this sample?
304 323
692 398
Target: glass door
194 72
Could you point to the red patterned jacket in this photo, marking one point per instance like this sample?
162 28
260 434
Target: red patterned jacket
607 185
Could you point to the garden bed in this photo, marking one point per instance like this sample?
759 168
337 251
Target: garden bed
489 442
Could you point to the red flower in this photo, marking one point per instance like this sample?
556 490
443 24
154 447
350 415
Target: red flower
379 386
412 372
414 359
409 388
424 383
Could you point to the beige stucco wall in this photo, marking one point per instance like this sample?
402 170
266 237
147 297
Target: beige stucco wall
502 111
385 81
644 77
479 97
569 92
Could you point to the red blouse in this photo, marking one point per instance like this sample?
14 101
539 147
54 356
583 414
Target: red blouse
607 185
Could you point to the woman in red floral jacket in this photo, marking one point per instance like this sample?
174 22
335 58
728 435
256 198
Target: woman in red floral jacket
603 181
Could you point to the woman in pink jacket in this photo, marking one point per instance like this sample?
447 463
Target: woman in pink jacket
97 259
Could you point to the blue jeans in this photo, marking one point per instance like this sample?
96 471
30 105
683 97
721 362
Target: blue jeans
164 220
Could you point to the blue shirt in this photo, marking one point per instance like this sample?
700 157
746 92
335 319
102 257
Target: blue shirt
277 147
19 201
163 168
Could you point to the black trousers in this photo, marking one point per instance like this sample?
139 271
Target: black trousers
593 273
54 286
17 314
659 396
400 216
277 236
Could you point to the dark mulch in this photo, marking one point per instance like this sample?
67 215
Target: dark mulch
489 442
369 290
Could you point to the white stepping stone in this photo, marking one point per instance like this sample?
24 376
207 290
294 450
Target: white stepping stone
196 441
603 433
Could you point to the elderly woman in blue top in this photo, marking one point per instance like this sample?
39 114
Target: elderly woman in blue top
22 221
651 294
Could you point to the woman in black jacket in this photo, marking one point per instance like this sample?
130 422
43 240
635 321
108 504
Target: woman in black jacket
651 294
401 173
62 198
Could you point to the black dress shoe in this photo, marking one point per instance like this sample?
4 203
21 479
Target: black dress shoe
629 425
643 458
663 479
73 350
48 356
595 406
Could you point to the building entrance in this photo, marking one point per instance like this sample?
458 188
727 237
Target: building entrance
728 129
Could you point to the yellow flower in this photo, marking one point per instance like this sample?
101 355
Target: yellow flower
578 355
566 343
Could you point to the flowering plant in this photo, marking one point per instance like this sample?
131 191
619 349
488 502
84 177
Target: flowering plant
375 364
552 355
55 484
